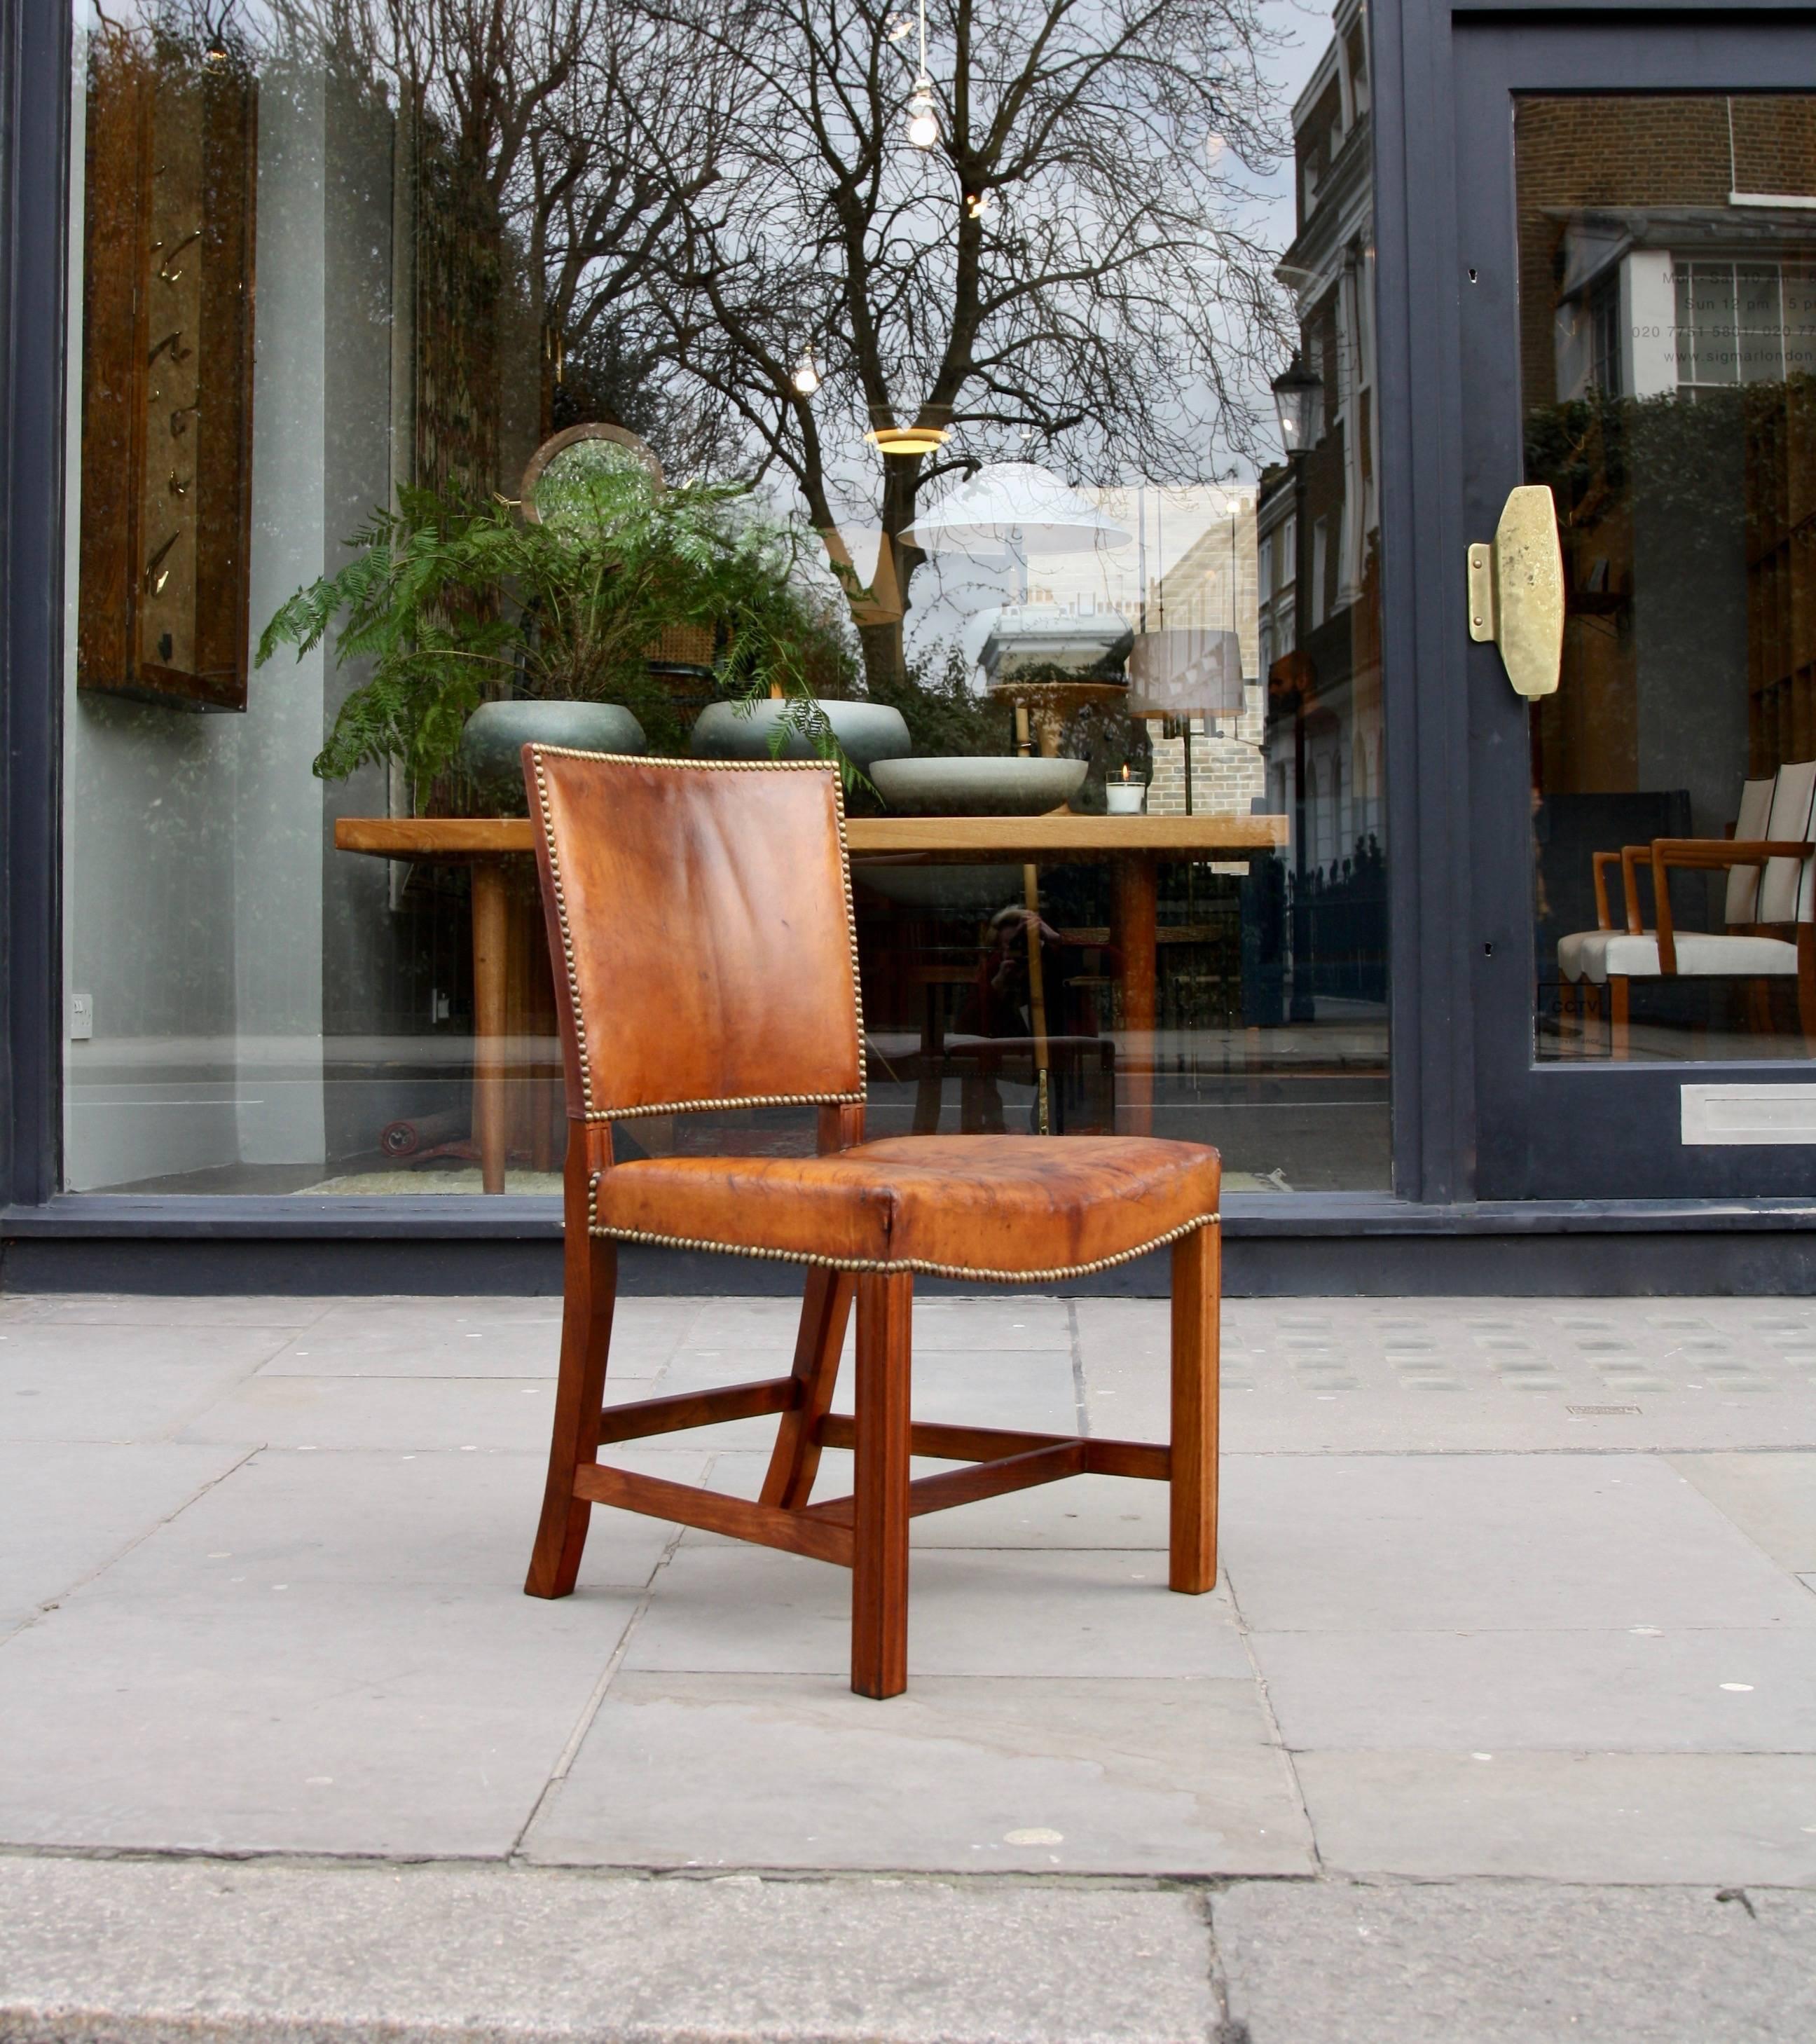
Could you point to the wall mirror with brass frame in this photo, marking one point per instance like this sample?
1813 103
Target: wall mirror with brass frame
562 467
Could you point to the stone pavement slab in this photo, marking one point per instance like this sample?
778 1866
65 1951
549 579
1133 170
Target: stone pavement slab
727 1609
1536 1543
482 1414
118 1954
960 1774
113 1952
140 1309
442 1339
1449 1376
1741 1689
72 1506
1770 1498
1724 1819
324 1653
1492 1962
73 1382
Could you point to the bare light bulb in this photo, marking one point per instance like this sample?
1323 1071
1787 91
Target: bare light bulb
922 122
806 377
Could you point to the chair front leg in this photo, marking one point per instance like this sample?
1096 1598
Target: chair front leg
880 1525
589 1288
1197 1293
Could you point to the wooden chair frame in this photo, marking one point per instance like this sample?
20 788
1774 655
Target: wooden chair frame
1659 860
868 1532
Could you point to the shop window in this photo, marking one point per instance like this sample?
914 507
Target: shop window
352 288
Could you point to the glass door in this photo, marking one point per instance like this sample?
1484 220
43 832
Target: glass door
1638 328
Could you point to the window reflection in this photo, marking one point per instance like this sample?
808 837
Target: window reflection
1667 263
1000 407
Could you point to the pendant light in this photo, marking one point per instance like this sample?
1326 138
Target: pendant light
806 377
923 127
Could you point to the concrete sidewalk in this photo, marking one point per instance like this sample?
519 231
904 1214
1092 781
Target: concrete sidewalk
1502 1723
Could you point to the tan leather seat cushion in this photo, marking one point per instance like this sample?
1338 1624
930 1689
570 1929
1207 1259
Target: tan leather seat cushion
996 1207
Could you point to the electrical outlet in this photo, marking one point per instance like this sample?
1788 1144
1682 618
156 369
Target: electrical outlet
81 1017
440 1006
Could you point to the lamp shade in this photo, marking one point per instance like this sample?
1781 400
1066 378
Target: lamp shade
1192 672
1014 504
1296 395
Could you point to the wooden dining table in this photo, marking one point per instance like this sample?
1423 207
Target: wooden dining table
1136 847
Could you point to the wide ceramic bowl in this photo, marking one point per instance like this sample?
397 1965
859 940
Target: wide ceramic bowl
868 731
497 733
943 890
980 785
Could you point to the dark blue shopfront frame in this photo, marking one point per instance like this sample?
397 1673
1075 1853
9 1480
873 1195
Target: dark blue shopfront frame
1498 1191
1594 1130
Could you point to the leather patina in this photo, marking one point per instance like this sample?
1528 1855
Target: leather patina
991 1207
700 915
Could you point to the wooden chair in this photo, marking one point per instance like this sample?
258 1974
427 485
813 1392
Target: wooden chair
1583 955
1771 889
700 917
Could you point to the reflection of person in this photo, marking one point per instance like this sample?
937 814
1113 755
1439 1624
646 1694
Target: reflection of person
999 1003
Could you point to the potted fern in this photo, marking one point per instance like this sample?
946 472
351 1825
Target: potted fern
458 606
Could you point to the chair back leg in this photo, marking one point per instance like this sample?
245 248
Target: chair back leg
825 1311
589 1288
1197 1295
1617 1006
880 1524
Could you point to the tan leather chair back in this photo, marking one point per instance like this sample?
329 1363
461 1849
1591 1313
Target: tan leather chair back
700 925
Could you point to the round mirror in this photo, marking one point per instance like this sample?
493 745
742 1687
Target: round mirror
563 470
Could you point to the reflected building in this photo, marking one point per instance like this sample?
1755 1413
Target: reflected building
1318 525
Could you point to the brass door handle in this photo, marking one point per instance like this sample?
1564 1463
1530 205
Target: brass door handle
1516 590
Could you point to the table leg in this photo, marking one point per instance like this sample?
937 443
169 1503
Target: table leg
491 960
1136 918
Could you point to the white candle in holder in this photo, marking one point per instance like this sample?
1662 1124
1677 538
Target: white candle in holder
1125 798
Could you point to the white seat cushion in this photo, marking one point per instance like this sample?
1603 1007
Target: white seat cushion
1699 956
1570 951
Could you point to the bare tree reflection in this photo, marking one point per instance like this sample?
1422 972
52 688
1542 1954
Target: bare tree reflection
685 198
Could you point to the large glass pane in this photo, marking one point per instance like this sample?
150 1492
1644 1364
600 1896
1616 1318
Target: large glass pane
1668 266
499 335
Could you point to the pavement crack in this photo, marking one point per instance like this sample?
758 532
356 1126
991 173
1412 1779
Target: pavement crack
1078 1399
1274 1732
576 1739
1226 2028
49 1605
